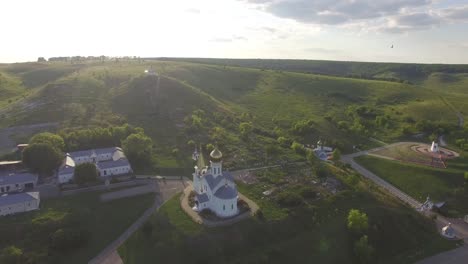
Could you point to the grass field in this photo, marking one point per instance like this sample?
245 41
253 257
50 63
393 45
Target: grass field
316 232
421 181
103 222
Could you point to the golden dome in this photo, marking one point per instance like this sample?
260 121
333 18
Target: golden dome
216 154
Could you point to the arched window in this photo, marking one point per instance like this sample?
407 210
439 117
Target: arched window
232 206
224 207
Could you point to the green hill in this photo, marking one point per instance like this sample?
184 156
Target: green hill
297 106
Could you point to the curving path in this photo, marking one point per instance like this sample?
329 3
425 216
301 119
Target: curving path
456 256
164 192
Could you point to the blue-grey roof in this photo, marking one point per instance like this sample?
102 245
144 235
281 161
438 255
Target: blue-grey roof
18 178
202 198
226 192
81 153
106 150
10 199
113 163
213 182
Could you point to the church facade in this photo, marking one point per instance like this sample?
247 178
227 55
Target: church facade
214 188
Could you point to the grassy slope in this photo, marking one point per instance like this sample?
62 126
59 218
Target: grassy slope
421 181
316 233
101 220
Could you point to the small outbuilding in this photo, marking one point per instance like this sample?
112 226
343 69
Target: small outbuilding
448 231
18 203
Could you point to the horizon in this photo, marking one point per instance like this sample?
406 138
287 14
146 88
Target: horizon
423 31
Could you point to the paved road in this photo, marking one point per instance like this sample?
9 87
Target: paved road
455 256
164 192
390 188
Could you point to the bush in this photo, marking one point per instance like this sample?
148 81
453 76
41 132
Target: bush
363 250
289 199
298 148
308 192
147 229
68 239
85 172
11 255
357 221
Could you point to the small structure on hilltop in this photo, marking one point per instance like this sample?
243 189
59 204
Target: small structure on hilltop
448 231
214 188
18 203
323 152
435 147
109 162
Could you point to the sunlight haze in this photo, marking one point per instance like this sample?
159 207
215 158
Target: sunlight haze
299 29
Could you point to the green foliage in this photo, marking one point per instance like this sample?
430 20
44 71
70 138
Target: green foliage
54 140
284 141
11 255
139 149
321 171
303 127
42 158
245 128
85 172
89 138
209 147
67 239
363 250
336 155
298 148
289 198
465 175
357 221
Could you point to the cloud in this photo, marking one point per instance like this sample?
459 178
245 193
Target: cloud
229 39
323 50
393 16
456 13
193 10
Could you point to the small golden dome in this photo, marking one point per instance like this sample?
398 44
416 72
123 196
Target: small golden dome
216 154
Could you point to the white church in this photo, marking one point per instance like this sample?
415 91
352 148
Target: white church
215 189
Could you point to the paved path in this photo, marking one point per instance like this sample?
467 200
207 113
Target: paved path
164 191
387 186
456 256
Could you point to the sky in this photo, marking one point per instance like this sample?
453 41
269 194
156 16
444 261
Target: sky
422 31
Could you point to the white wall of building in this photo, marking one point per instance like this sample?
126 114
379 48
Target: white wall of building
19 207
5 188
224 208
65 178
115 171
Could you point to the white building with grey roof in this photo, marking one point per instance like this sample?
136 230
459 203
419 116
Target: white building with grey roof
15 182
215 189
109 162
18 203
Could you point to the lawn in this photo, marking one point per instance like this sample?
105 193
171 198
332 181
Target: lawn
316 232
102 222
421 181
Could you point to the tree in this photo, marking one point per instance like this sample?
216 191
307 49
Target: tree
85 172
245 128
363 250
54 140
138 148
466 176
336 155
42 157
41 59
357 221
312 158
298 148
11 255
67 239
